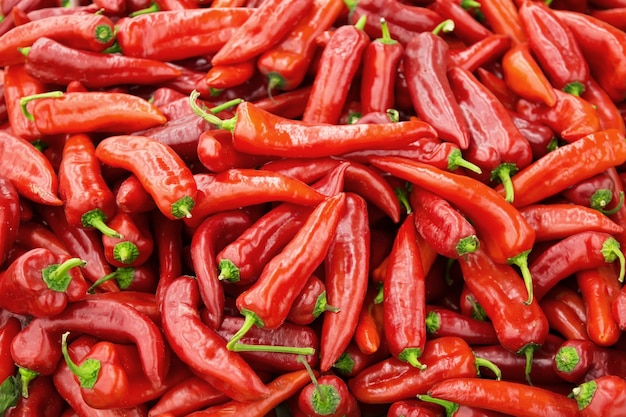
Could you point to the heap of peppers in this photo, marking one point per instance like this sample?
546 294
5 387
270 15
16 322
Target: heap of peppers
309 208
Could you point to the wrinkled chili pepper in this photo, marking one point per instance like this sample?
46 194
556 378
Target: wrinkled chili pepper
160 170
602 396
442 322
135 246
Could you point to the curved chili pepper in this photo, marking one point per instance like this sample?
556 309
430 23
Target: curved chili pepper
187 396
327 395
508 397
267 302
310 303
36 347
287 62
524 76
603 46
565 311
9 216
522 327
91 32
241 187
414 408
480 108
244 259
585 250
442 322
201 347
52 62
369 336
555 47
339 62
503 18
608 113
602 396
502 230
598 288
18 84
567 165
179 34
35 235
168 237
307 170
215 232
32 174
457 410
88 201
392 380
466 28
160 170
144 302
369 184
425 65
558 221
135 246
614 16
280 388
598 192
346 279
321 139
498 86
131 197
227 76
290 104
481 53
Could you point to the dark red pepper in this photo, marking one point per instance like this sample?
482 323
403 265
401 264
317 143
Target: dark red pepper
598 192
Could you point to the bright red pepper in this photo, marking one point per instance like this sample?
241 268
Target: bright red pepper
603 396
310 303
9 216
371 185
8 330
368 335
441 321
43 400
290 104
131 197
466 28
498 86
615 16
503 18
135 246
608 113
18 84
190 395
565 311
598 192
227 76
161 171
480 54
327 395
414 408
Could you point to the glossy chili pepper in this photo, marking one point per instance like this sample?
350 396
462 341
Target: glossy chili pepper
310 303
69 388
565 311
227 76
181 33
346 279
9 216
8 330
288 334
352 360
287 62
190 395
466 28
290 104
241 187
201 347
503 18
37 282
321 139
281 388
244 259
339 62
131 197
414 408
92 32
392 380
574 360
484 52
18 84
456 410
135 246
608 113
597 192
264 28
160 170
371 185
555 47
584 158
52 62
615 16
36 346
87 199
524 76
500 158
425 65
43 400
144 302
35 235
585 250
327 395
368 334
503 232
307 170
267 302
42 12
495 285
603 46
215 232
498 86
441 321
32 174
79 112
558 221
598 288
602 396
508 397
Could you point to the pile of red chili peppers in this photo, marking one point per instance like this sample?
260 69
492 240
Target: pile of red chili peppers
312 208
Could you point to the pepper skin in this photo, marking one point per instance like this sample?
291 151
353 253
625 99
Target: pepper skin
503 18
329 396
18 84
43 400
441 321
135 246
190 395
161 171
603 396
9 216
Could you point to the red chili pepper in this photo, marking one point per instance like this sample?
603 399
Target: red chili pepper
227 76
558 221
9 216
43 400
502 157
339 62
565 311
481 53
540 137
425 66
92 32
310 303
179 34
215 232
35 235
601 397
415 408
160 170
368 334
281 388
466 28
190 395
615 17
18 84
36 347
603 46
524 76
32 175
498 86
307 170
598 192
284 136
327 395
441 322
503 232
287 62
574 360
508 397
346 278
599 287
135 246
608 113
369 184
392 380
131 197
144 302
216 152
290 104
353 361
583 158
585 250
9 329
503 18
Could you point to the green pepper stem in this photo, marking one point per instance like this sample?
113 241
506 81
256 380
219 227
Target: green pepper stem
470 4
485 363
503 174
467 245
87 372
345 364
611 251
583 393
402 194
575 88
566 359
57 276
521 261
27 99
449 406
528 351
152 7
446 26
96 218
250 320
26 375
456 160
321 305
228 271
433 322
228 124
360 24
182 207
607 212
386 36
123 276
393 115
125 252
411 356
